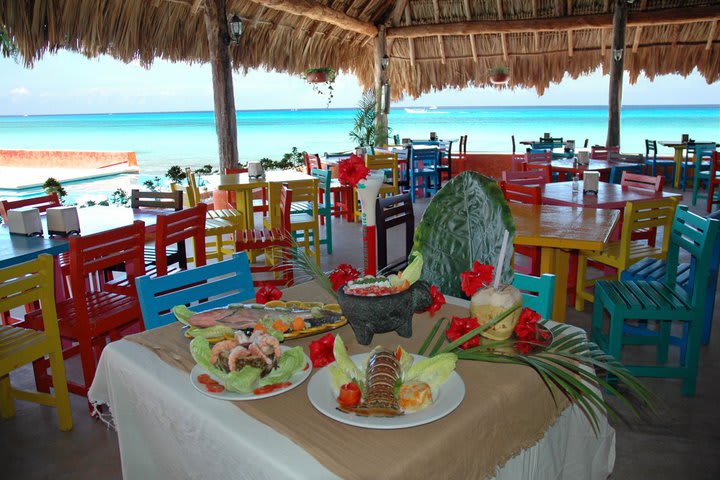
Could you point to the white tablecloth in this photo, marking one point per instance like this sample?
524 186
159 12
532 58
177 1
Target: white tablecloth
168 430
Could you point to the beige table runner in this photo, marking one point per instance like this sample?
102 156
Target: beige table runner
506 408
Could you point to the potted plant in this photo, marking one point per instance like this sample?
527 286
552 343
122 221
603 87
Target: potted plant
322 79
499 75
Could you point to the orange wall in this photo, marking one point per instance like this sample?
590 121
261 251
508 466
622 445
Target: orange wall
490 164
66 159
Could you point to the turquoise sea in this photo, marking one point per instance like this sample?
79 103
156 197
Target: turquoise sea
188 138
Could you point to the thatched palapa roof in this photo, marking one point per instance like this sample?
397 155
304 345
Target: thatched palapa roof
432 44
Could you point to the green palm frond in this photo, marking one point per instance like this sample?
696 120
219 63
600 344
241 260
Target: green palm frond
568 366
309 267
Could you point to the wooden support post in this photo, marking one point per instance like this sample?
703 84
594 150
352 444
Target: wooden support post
381 78
225 121
616 73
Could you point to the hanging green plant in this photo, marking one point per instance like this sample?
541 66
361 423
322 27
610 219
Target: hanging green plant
322 80
499 75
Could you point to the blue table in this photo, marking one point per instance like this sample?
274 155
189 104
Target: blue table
16 249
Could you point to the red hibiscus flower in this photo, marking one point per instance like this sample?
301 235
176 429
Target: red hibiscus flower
321 351
459 327
352 170
526 328
438 300
342 275
480 276
266 293
523 347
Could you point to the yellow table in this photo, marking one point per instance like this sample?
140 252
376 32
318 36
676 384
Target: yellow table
679 146
558 230
243 185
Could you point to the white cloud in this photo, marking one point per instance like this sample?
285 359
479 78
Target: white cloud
19 91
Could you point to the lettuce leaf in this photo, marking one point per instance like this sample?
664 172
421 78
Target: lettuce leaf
338 378
243 380
201 351
182 313
291 361
344 362
406 359
434 371
217 331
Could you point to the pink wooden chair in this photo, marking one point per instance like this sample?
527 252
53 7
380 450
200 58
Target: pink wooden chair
528 177
643 182
598 152
531 195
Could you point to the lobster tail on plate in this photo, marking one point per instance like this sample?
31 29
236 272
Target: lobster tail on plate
382 374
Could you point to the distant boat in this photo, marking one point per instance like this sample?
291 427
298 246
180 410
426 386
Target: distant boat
416 110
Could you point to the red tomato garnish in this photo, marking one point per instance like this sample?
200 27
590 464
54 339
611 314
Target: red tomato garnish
214 388
205 379
398 352
307 365
271 388
349 395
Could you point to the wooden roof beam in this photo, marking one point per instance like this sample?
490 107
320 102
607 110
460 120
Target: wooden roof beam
468 16
411 43
320 13
710 35
436 10
673 16
636 42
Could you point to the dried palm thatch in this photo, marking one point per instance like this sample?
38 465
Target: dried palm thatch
432 44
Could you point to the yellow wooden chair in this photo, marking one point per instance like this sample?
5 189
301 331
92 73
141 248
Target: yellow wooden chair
226 221
20 285
623 253
389 163
304 192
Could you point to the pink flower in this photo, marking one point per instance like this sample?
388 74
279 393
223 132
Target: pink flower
342 275
480 276
266 293
352 170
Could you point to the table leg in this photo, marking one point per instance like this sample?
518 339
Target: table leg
555 261
678 163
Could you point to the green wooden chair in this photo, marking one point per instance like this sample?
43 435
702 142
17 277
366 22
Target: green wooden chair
703 169
664 302
537 292
324 206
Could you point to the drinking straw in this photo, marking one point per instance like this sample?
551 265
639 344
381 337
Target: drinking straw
501 260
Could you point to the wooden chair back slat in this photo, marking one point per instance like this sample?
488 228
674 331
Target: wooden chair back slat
42 203
528 194
175 228
169 200
642 182
527 177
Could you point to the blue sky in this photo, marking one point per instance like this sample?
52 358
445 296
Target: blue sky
69 83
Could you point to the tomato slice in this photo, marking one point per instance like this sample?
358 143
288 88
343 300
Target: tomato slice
214 388
307 365
349 395
205 379
271 388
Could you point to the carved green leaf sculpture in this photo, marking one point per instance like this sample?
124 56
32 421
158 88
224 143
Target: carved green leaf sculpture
464 222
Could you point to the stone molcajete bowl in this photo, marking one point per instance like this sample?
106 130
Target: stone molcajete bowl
385 313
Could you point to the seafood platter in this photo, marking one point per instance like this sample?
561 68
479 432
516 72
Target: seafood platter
286 320
386 389
247 367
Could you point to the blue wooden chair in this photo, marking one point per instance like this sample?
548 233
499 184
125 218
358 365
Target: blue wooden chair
423 165
663 302
703 168
222 283
652 160
637 161
653 269
537 292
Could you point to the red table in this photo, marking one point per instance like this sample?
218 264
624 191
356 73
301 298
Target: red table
569 166
610 195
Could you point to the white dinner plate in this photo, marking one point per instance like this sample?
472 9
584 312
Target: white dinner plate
297 378
450 395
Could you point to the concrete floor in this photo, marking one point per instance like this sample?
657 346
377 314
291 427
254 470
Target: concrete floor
681 441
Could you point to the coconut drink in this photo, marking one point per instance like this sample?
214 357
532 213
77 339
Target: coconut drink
489 302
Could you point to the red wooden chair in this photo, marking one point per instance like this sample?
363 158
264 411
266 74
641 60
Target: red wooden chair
42 203
269 240
714 181
312 160
94 316
544 168
528 177
531 195
598 152
643 182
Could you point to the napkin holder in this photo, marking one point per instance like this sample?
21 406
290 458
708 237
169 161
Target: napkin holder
590 182
685 137
546 135
255 170
433 136
63 221
583 156
570 146
25 221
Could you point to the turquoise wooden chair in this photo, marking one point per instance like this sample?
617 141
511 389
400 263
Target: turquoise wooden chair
703 169
653 269
223 283
701 154
663 302
324 207
429 158
537 292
